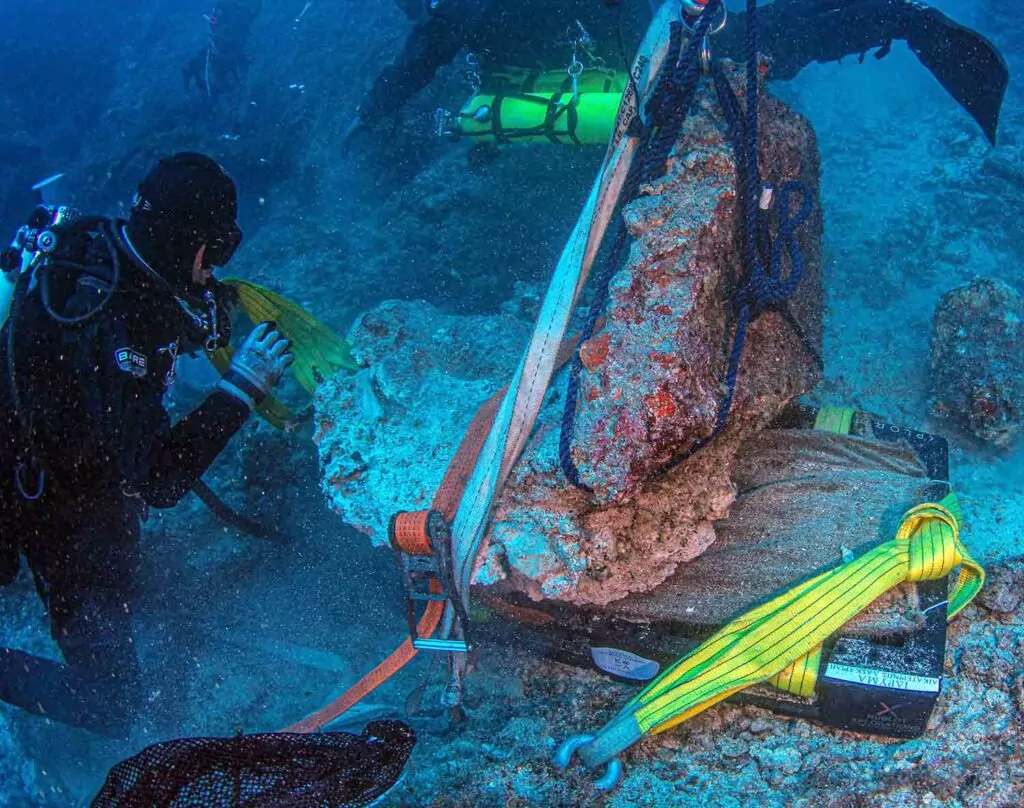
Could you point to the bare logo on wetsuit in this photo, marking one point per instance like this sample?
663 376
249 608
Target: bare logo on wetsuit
131 361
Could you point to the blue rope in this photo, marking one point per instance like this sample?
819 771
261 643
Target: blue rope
666 111
764 288
769 287
673 96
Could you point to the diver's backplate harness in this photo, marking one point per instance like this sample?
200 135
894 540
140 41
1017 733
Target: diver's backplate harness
46 243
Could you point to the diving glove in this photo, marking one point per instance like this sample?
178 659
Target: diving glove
257 366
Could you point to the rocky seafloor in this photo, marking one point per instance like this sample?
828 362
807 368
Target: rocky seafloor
744 756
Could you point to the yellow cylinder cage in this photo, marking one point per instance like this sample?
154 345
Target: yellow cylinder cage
544 108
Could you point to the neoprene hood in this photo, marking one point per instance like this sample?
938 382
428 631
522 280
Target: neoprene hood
186 201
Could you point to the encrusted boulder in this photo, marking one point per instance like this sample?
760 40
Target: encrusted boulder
977 360
386 434
651 389
654 376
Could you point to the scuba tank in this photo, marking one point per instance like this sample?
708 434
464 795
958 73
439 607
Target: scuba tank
45 244
548 107
33 244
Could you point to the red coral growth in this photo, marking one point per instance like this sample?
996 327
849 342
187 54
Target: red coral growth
326 427
594 351
664 359
661 405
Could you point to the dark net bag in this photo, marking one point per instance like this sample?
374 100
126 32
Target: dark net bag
326 770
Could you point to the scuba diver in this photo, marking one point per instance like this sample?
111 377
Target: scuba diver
101 312
222 65
537 35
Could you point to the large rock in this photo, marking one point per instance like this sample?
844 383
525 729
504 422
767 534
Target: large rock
654 375
651 389
385 434
977 360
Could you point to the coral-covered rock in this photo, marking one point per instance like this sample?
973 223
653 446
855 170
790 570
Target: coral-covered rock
386 434
653 381
654 376
977 360
1004 588
651 388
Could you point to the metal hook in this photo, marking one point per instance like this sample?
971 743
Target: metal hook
689 18
563 757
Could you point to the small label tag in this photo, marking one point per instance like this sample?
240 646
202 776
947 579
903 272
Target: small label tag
886 679
624 664
131 361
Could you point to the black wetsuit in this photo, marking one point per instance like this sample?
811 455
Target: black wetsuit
531 34
92 397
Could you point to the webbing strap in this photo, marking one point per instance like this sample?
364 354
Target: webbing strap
445 501
394 662
498 434
779 639
800 677
518 411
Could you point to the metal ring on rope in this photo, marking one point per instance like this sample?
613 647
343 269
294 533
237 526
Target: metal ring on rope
23 491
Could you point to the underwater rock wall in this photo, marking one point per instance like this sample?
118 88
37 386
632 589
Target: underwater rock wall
653 383
386 434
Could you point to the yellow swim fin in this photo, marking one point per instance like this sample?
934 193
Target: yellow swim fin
318 351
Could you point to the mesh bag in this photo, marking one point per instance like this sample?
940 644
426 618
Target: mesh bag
326 770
